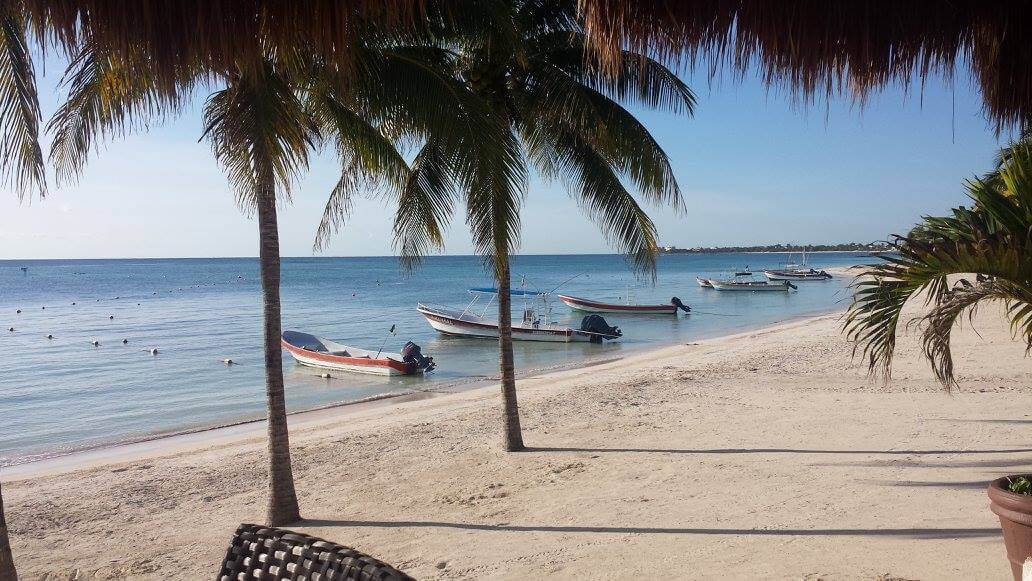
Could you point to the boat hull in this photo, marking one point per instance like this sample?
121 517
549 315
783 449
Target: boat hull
371 365
774 275
590 306
703 282
467 325
768 287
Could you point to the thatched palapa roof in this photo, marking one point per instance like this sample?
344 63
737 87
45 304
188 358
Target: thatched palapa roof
831 46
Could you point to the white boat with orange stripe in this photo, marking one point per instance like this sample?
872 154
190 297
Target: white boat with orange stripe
315 351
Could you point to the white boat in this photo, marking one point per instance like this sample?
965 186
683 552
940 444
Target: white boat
703 282
315 351
801 271
468 324
751 285
796 274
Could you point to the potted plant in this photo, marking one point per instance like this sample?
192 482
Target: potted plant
978 254
1010 498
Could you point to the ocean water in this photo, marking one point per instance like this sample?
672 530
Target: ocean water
63 394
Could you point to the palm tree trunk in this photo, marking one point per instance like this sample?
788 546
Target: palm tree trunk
7 571
283 507
512 432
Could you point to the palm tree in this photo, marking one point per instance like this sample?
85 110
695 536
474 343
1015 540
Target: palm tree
21 159
991 240
559 111
262 125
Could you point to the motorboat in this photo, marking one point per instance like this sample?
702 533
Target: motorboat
314 351
591 306
532 326
752 285
703 282
797 274
468 324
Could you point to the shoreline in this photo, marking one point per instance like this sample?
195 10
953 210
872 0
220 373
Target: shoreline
161 444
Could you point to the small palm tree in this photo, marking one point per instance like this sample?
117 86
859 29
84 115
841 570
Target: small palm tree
559 113
992 240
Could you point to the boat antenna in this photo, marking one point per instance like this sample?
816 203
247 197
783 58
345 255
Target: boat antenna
389 333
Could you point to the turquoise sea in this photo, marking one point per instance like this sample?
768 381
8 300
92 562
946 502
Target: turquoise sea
64 394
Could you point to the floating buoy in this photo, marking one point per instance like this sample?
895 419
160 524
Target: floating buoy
44 308
125 341
153 350
18 311
111 316
95 343
137 304
73 304
50 336
228 361
11 329
325 376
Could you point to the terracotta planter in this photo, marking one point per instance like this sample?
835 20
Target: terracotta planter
1015 512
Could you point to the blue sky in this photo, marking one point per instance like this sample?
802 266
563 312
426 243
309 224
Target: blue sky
754 169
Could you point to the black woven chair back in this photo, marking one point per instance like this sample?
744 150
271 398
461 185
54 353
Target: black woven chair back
260 553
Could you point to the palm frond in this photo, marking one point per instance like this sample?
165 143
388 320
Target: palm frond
22 159
599 191
424 206
610 128
370 162
992 240
260 133
494 184
637 78
965 296
107 98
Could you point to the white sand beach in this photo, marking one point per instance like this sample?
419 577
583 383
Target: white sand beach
767 454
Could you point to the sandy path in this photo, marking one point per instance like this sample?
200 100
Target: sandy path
766 455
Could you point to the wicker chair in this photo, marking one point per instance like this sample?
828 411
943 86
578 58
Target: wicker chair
266 554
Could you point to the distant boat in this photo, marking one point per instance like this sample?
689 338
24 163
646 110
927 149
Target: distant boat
752 285
25 269
315 351
797 274
799 271
591 306
703 282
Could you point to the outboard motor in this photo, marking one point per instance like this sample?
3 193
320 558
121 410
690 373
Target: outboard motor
601 329
412 354
677 303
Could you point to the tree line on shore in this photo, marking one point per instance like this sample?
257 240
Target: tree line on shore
843 247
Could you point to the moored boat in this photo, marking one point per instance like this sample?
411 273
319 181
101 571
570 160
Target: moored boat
796 274
468 324
752 285
703 282
591 306
314 351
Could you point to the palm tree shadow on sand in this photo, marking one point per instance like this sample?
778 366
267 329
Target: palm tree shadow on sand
911 533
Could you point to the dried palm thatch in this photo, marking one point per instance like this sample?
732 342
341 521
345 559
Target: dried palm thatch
181 37
852 47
